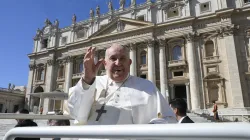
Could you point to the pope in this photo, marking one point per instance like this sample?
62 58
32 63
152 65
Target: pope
118 97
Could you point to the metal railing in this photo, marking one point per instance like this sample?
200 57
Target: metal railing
33 116
235 131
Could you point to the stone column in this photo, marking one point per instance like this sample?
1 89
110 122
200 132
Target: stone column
163 74
194 89
151 61
132 55
232 73
49 81
62 103
188 97
29 89
172 91
68 74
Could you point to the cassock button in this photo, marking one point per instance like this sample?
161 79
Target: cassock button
117 95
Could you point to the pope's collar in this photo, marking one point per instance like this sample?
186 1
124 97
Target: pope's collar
111 82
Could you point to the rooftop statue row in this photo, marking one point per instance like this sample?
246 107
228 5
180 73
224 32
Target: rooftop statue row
111 8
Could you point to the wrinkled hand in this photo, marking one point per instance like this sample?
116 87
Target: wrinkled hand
90 68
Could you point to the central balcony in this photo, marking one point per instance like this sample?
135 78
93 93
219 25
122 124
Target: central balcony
211 59
177 63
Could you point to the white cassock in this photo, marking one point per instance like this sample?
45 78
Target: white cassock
135 101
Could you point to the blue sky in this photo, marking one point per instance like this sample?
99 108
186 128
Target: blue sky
18 24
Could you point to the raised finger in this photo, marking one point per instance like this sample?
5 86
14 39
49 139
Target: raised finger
88 53
93 52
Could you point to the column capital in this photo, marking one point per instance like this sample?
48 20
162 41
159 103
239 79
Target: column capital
150 42
32 66
227 31
50 62
131 46
162 42
68 59
187 84
189 37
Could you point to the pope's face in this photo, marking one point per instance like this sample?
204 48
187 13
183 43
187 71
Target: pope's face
117 63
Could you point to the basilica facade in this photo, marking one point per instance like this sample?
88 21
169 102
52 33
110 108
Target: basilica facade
192 49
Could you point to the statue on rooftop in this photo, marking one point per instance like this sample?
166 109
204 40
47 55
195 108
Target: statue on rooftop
56 23
91 13
74 19
98 10
122 4
47 22
38 31
133 2
9 86
110 6
13 87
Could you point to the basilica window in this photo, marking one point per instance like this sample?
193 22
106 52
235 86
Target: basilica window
78 66
61 71
177 55
45 43
141 18
178 73
40 73
64 40
81 33
209 48
205 7
143 56
172 12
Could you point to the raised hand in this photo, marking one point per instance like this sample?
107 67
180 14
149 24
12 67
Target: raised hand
90 68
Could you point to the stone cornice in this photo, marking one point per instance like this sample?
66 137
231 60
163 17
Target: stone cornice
176 22
137 31
224 11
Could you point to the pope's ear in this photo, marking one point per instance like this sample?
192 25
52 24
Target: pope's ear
130 61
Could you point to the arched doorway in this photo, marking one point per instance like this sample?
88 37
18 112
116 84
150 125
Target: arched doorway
36 100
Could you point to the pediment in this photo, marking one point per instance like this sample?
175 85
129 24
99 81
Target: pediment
120 25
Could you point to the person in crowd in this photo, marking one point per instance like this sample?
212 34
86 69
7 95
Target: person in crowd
179 107
215 111
58 123
25 123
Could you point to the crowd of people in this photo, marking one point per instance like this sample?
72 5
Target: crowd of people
31 123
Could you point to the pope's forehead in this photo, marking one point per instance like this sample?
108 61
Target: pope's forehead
116 49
